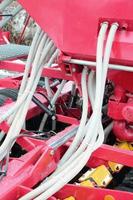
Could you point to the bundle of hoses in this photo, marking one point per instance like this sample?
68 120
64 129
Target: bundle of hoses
42 52
91 92
3 6
90 135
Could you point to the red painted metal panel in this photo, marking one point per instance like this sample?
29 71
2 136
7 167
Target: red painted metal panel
107 152
115 110
74 25
122 78
27 171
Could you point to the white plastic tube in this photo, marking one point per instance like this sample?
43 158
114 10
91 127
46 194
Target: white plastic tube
53 101
80 133
47 85
21 114
30 59
47 82
91 91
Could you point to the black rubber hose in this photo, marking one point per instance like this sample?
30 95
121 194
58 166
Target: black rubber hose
42 106
11 93
2 99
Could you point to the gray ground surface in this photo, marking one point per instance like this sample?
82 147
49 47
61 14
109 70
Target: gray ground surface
16 25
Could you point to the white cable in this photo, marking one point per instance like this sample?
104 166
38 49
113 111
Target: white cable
22 111
48 89
80 133
91 91
47 82
30 59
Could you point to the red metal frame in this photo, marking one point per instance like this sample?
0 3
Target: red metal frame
21 186
92 193
26 171
70 30
2 35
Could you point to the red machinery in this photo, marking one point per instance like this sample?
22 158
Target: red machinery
74 27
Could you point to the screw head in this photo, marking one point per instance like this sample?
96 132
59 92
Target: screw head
73 69
52 152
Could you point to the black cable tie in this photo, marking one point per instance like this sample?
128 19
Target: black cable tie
6 15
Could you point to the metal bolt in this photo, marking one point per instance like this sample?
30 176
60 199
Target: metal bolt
73 69
53 118
104 183
52 152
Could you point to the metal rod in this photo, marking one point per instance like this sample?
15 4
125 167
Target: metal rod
56 144
93 64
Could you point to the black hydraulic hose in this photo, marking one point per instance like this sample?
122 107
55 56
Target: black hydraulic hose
2 99
10 93
42 106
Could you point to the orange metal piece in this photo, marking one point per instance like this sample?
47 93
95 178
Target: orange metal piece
109 197
70 198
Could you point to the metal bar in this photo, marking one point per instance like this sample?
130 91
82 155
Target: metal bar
114 154
67 119
93 64
56 73
62 140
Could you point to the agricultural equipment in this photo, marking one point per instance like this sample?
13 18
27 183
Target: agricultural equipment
66 115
